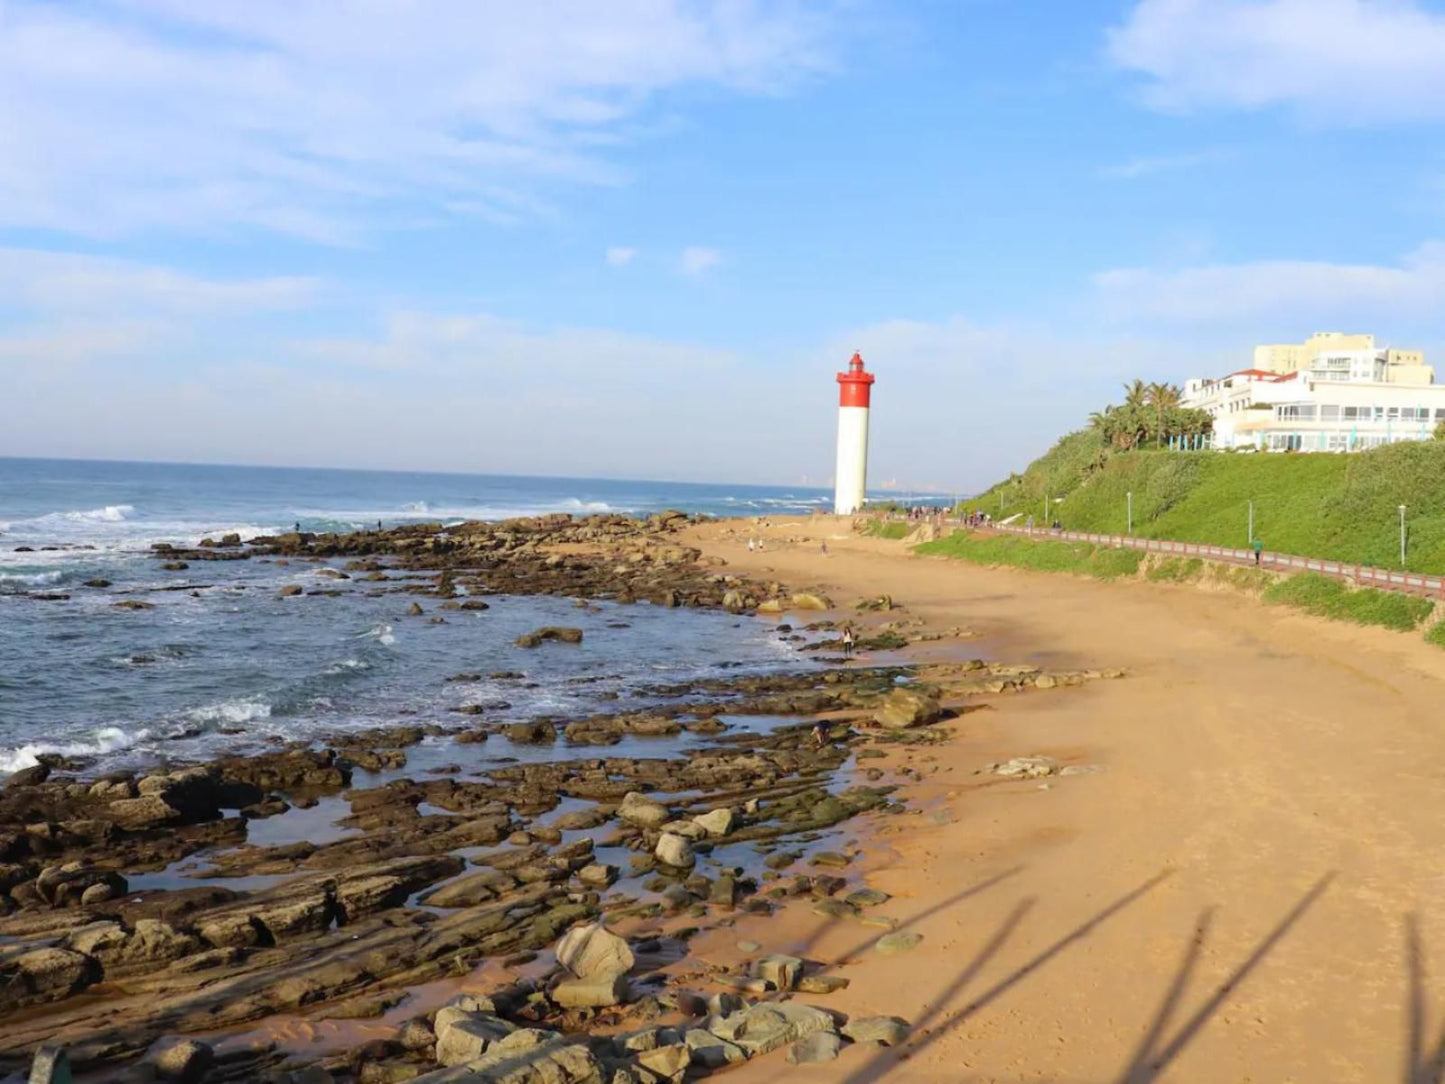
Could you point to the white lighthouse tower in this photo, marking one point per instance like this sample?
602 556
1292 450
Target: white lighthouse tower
854 388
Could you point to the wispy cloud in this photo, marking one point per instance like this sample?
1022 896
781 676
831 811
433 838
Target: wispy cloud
1149 165
1335 60
317 120
620 257
1268 292
697 259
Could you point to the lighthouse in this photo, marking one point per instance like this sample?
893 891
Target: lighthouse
854 388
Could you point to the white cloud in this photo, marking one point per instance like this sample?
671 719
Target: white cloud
696 259
620 257
1334 60
319 119
1149 165
38 281
1266 293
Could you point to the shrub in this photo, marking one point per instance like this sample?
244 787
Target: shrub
1324 597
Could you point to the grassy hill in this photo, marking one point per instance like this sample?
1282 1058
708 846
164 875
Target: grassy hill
1343 507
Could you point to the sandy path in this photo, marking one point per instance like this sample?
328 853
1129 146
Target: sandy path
1252 890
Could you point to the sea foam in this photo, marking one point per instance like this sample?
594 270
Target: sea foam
107 739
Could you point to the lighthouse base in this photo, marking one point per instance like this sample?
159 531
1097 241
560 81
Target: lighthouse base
852 471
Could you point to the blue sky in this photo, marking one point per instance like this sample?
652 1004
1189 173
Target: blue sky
638 238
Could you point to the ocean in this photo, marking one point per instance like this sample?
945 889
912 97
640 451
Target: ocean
221 664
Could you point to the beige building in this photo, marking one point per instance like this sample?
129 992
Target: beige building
1331 393
1327 351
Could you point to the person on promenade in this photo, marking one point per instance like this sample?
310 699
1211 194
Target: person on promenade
1258 551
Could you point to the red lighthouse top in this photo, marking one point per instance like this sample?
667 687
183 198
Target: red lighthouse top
855 385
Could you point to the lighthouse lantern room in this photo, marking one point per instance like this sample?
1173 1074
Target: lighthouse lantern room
854 389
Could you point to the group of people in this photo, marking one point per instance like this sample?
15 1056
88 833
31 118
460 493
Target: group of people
975 518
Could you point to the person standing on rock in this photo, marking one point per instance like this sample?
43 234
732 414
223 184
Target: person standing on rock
848 640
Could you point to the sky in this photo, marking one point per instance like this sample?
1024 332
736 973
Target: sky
639 238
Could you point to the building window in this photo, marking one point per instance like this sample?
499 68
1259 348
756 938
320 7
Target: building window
1329 413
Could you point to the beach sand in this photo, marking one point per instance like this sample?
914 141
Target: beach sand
1251 889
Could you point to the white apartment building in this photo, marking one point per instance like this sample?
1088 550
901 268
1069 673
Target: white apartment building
1344 396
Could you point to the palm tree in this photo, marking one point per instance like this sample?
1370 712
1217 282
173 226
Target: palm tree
1136 393
1162 397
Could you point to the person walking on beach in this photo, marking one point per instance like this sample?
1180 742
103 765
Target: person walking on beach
751 547
848 640
1258 551
825 549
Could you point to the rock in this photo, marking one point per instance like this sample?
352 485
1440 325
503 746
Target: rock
734 601
51 1065
462 1036
595 993
666 1062
757 1030
1024 768
805 601
414 610
821 984
41 975
891 944
908 706
532 732
138 814
710 1052
820 1046
594 952
558 634
28 777
688 830
186 1060
675 851
888 1030
291 590
416 1035
781 971
555 1060
867 897
67 885
598 876
717 822
831 859
876 603
638 809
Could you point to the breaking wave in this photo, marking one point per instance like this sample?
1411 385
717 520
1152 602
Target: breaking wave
107 739
239 710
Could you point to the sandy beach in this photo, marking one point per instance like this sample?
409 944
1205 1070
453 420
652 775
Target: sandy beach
1245 891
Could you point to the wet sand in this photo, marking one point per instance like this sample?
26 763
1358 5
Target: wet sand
1249 889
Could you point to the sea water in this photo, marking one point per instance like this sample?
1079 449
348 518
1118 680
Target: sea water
221 663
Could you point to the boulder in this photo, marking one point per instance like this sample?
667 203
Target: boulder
820 1046
716 822
554 633
291 590
462 1036
593 952
42 975
888 1030
32 776
187 1060
67 885
908 706
642 811
593 993
666 1062
675 851
781 971
806 601
711 1052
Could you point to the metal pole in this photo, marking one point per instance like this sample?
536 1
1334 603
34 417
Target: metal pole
1402 536
1251 523
1130 497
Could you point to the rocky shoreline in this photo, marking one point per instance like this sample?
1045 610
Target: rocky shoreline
145 935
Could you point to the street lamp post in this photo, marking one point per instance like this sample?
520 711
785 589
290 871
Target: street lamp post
1402 536
1130 498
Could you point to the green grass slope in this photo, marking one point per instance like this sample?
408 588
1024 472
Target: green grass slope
1342 507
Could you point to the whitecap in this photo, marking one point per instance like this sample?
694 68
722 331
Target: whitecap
238 710
346 666
380 633
105 740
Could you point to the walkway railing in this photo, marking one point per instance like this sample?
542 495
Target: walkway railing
1414 583
1411 583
